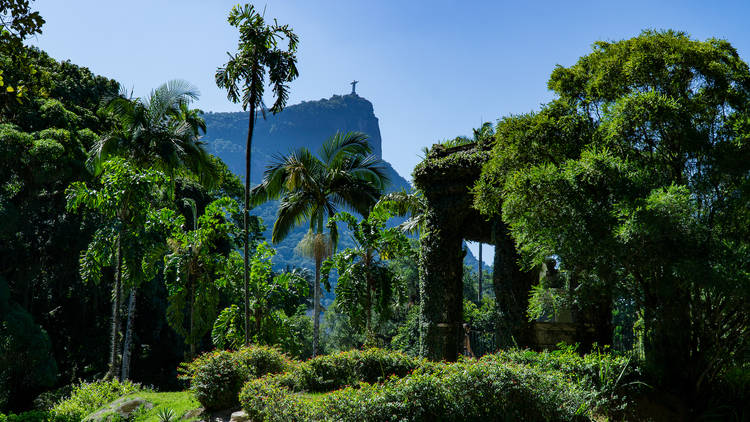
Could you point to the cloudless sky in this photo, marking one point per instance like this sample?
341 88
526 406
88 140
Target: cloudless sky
432 69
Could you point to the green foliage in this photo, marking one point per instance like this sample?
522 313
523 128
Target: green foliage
124 202
244 79
26 361
482 320
312 188
30 416
43 141
87 397
273 300
613 379
366 284
406 339
243 76
331 372
166 415
546 303
159 131
18 21
467 390
193 265
228 330
632 178
216 377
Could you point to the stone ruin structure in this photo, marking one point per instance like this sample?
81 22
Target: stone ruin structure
446 177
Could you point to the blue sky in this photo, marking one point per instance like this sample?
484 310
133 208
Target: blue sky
432 69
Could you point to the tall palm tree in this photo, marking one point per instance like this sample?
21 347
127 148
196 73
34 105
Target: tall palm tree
312 189
243 76
159 131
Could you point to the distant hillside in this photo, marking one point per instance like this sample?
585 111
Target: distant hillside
307 124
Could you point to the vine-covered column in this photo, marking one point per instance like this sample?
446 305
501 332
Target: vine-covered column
441 289
512 286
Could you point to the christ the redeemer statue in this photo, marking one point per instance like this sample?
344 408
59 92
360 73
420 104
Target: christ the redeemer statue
354 87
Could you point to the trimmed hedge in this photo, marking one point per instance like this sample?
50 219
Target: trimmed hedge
610 377
331 372
217 377
466 390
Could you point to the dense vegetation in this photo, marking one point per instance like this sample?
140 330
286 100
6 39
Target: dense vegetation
125 255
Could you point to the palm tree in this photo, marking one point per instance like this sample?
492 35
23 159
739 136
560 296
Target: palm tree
159 131
162 132
243 76
403 203
312 189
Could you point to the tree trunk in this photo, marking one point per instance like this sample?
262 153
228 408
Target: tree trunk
128 336
246 210
479 295
113 371
192 319
316 308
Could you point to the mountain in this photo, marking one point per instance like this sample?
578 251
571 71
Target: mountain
307 124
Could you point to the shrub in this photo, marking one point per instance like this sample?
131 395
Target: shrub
330 372
31 416
610 377
266 399
87 397
217 377
467 390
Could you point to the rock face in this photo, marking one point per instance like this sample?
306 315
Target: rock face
120 408
307 124
239 416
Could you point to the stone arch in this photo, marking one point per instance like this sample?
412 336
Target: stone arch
446 177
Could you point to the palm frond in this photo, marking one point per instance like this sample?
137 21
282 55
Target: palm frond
342 146
294 209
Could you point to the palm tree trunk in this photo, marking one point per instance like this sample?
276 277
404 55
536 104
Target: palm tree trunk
369 334
192 319
316 308
479 295
128 336
246 211
115 333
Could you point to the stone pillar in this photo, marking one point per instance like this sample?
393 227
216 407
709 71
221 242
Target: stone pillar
441 290
511 287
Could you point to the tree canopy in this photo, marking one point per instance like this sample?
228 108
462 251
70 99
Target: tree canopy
637 176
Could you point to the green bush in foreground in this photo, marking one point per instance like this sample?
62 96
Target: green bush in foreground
217 377
87 397
331 372
466 390
611 377
30 416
